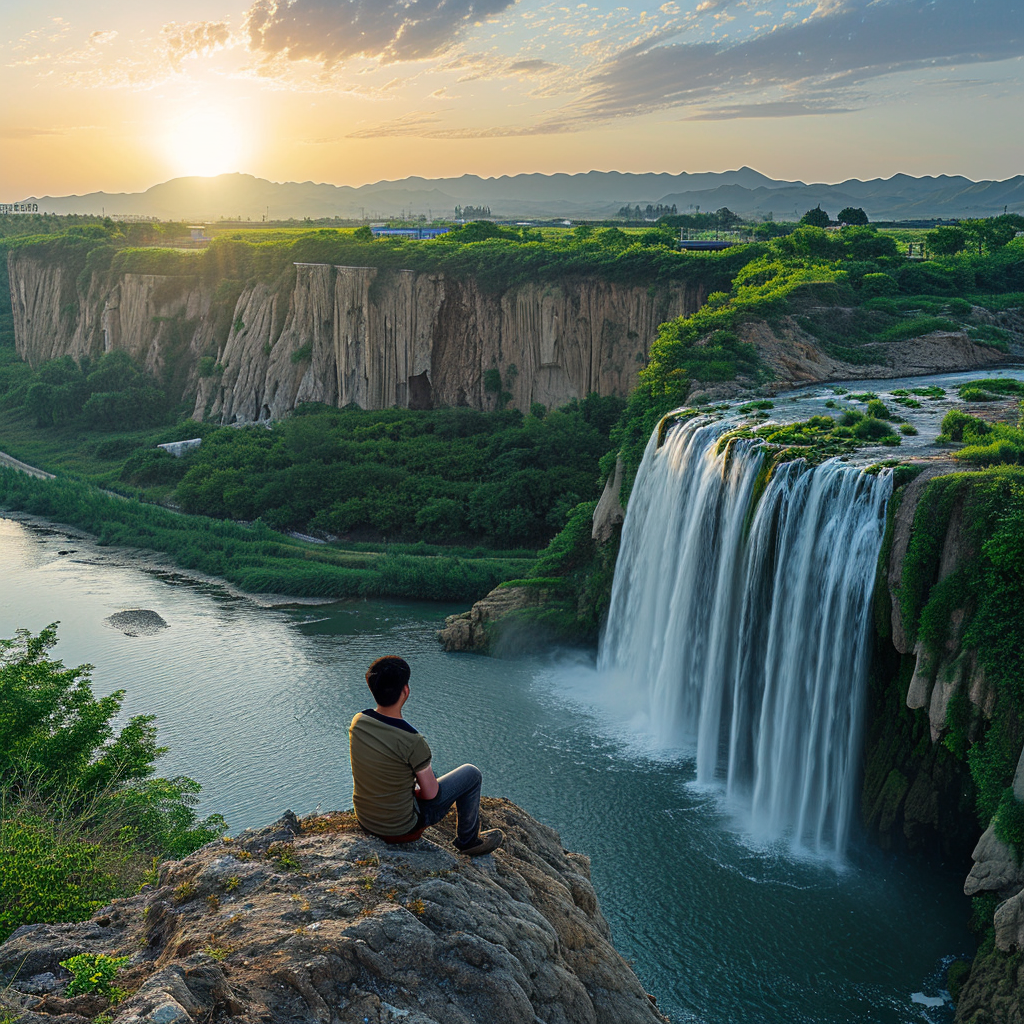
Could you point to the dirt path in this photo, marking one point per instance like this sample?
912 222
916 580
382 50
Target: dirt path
12 463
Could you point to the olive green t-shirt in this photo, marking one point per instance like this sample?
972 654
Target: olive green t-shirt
386 753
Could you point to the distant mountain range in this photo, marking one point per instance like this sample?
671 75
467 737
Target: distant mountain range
595 194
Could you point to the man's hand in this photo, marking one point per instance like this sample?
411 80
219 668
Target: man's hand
426 784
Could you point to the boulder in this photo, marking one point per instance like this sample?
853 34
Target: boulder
474 630
996 868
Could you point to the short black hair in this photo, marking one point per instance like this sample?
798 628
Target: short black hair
386 678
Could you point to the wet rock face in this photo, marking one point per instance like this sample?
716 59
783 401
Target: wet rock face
317 921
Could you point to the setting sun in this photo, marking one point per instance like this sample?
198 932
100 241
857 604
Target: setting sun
205 143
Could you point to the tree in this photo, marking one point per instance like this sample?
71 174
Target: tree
816 218
852 215
945 241
725 218
363 234
81 815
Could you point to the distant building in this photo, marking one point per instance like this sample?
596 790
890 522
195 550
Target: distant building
379 232
198 232
704 244
179 448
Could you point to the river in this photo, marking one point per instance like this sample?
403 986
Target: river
255 702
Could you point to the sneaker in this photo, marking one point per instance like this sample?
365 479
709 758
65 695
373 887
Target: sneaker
486 842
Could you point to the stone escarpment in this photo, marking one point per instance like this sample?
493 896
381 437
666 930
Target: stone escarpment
917 794
342 335
945 724
795 356
313 920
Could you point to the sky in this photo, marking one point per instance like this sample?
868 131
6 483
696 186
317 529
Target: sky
116 96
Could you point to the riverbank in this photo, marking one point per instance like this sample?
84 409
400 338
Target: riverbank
254 559
88 547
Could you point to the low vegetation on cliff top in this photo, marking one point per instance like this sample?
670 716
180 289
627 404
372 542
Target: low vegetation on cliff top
82 815
810 273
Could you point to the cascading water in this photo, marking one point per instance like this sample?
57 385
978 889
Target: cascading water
743 629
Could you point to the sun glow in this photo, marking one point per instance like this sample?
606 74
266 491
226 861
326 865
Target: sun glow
206 142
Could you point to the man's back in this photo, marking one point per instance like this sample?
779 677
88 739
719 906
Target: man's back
386 753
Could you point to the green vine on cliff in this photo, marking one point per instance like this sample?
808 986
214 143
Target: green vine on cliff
987 590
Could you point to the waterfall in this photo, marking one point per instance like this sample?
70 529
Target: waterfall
742 630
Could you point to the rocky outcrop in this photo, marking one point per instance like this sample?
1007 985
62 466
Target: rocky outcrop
796 356
342 335
314 920
916 793
932 705
609 513
478 629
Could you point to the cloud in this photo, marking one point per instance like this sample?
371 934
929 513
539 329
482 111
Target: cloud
27 133
413 123
830 51
776 108
530 67
390 30
194 39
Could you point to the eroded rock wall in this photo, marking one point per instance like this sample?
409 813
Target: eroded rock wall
935 717
342 335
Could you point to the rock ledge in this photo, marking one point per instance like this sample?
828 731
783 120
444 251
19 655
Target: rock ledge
314 920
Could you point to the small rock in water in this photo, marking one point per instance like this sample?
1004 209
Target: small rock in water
136 622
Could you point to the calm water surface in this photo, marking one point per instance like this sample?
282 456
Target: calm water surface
255 704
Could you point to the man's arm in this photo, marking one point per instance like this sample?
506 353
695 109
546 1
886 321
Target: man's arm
426 784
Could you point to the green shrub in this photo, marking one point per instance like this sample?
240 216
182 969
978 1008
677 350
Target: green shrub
876 285
872 429
1009 821
93 972
877 408
82 813
56 871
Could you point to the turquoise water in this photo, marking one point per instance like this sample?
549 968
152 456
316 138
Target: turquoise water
255 704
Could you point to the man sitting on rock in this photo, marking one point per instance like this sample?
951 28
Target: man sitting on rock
395 793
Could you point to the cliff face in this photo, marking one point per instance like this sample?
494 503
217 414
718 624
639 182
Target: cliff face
313 920
944 766
344 335
797 357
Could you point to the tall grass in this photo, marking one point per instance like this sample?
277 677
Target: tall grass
255 558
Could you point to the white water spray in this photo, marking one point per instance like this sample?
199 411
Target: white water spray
745 636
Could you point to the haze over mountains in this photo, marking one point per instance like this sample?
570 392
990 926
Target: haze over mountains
594 194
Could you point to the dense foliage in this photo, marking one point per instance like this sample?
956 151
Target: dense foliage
109 393
81 813
256 558
438 476
496 258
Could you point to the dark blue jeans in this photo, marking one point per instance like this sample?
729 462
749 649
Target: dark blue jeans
462 788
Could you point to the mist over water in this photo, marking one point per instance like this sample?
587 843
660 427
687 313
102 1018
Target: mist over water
723 927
